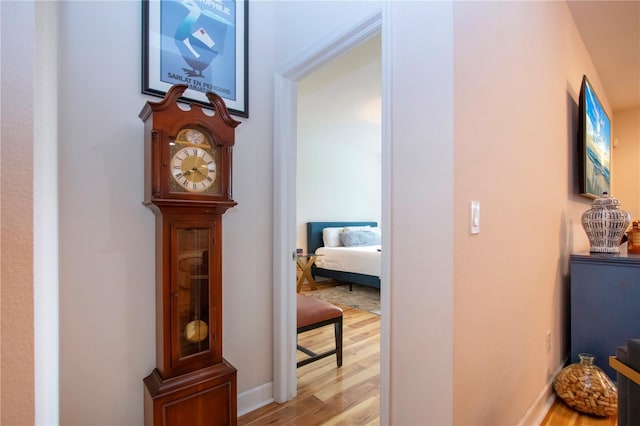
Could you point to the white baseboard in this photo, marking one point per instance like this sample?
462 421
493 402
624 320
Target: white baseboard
540 407
536 412
255 398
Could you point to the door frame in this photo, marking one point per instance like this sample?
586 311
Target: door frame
360 28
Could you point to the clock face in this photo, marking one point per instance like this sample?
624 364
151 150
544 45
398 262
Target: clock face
194 163
194 169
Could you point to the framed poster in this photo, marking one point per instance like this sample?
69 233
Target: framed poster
201 43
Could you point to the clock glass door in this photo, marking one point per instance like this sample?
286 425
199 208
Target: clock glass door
191 298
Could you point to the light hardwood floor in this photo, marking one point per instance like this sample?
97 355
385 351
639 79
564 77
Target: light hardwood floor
328 395
561 414
350 395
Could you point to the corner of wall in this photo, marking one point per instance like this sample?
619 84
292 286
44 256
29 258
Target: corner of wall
255 398
540 407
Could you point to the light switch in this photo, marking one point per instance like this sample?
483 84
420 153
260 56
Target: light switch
474 217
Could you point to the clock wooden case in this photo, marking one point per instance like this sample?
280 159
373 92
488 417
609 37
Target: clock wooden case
188 158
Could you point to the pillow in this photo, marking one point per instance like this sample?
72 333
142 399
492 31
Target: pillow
331 237
359 238
357 228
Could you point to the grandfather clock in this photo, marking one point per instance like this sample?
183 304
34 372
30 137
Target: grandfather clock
188 157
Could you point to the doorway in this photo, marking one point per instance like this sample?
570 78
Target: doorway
338 178
338 173
357 31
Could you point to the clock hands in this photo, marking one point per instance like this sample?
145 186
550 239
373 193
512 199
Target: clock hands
197 170
193 169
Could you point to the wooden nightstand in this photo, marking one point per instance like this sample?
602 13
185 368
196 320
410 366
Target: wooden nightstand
304 262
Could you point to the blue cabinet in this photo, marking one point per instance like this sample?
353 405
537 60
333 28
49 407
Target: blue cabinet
605 304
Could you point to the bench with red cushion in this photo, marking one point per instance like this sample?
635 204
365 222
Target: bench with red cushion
313 313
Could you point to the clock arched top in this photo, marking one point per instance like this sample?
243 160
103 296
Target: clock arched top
220 125
188 153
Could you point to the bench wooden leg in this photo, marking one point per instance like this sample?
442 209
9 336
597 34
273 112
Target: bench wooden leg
337 327
338 335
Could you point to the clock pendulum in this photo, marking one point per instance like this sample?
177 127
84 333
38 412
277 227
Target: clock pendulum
196 330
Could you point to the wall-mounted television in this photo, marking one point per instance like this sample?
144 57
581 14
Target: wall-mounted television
594 143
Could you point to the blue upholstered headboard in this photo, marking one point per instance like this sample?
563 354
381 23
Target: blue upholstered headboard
314 232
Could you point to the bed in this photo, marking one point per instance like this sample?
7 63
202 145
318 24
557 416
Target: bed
353 265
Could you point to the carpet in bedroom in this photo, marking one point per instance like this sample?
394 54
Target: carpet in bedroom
362 297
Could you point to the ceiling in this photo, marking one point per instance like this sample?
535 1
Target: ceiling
611 32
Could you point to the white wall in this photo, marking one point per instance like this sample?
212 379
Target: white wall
339 151
107 235
518 69
625 184
46 254
107 328
421 277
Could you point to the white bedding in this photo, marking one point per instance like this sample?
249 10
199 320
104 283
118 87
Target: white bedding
360 260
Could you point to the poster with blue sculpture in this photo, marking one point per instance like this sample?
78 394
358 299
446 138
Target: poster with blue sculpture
200 43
